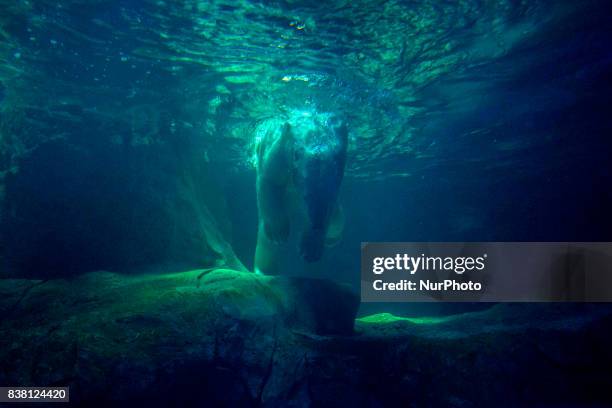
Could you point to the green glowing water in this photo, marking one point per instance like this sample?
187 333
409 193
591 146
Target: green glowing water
386 318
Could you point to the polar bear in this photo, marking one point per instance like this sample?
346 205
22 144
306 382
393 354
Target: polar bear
300 162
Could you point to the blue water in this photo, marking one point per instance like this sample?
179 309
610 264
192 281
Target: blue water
468 120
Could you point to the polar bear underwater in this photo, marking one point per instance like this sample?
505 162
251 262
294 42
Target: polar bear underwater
299 160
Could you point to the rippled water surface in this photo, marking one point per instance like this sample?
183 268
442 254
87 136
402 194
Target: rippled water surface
425 84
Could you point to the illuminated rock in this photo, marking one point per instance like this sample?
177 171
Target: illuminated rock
222 337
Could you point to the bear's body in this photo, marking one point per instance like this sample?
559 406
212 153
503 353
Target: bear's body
300 163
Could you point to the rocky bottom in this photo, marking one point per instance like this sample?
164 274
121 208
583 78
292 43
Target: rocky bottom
227 338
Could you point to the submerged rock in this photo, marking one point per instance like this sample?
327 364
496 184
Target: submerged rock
115 337
223 337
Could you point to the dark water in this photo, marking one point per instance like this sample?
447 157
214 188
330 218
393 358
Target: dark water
129 215
468 120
